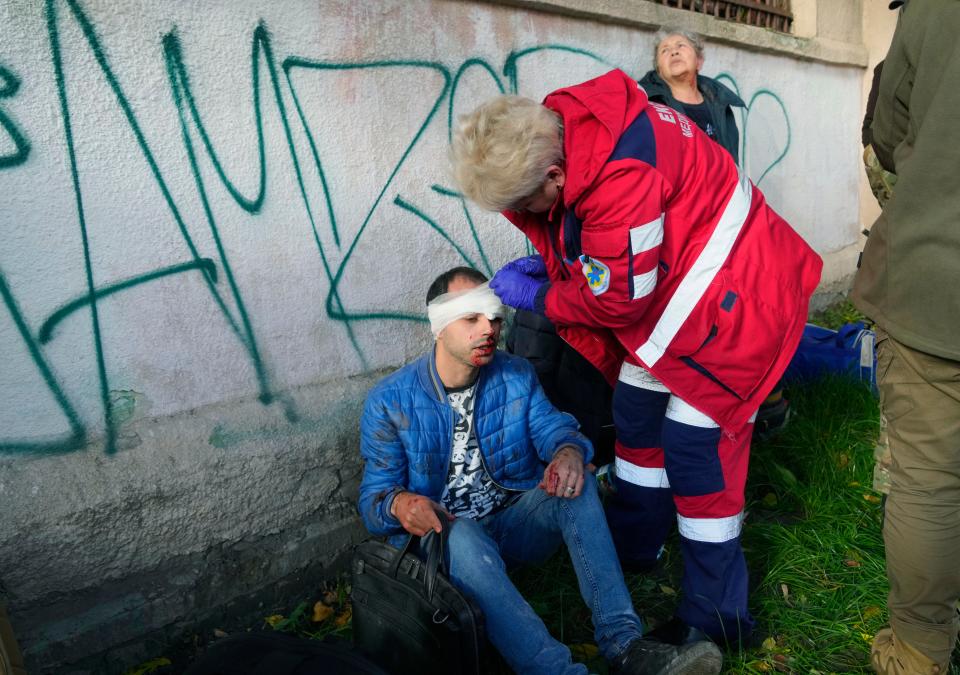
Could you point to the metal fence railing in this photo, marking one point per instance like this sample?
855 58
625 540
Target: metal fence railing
773 14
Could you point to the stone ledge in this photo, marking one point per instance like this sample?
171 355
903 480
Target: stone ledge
650 15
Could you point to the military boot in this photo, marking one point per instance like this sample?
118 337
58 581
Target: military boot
890 656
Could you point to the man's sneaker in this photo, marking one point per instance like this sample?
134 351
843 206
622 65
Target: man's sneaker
650 657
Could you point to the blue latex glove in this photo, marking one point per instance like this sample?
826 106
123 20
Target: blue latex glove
515 288
532 266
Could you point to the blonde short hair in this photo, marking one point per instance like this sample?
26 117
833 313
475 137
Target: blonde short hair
502 150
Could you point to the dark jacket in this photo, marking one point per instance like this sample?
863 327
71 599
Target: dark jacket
910 272
571 382
720 100
406 434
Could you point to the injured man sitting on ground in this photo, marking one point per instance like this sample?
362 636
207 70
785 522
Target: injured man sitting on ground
466 433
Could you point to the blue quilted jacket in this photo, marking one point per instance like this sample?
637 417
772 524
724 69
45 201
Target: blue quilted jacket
406 433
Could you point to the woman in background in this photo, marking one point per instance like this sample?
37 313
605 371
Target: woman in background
676 81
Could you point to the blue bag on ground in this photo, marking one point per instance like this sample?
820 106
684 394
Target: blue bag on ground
848 351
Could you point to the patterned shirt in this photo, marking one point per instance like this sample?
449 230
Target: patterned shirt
470 492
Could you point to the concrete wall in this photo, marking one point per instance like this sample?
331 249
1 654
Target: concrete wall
218 223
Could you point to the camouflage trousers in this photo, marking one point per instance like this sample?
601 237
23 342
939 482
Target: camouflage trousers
881 181
882 459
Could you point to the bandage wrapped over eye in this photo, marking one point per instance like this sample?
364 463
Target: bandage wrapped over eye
447 308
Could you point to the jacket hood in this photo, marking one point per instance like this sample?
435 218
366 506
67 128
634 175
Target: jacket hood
712 90
594 116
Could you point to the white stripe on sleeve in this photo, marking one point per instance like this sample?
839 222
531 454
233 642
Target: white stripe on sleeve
643 284
647 236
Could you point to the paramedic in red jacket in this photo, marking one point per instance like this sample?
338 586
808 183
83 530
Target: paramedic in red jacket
672 275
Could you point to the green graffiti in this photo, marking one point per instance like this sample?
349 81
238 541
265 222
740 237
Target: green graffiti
335 309
786 119
745 118
9 85
469 63
473 228
187 108
510 65
181 91
407 206
78 195
335 251
77 436
206 265
183 96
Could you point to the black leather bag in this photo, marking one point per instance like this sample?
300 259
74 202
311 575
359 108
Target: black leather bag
408 617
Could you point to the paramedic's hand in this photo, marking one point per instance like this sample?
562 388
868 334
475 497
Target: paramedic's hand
563 477
515 288
532 266
417 514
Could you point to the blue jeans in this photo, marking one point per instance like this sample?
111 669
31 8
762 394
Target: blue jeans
530 531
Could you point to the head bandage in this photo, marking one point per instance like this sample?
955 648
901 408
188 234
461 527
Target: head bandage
447 308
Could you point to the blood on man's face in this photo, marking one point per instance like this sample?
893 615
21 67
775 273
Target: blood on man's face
471 339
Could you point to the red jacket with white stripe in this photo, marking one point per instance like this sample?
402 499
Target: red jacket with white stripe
657 253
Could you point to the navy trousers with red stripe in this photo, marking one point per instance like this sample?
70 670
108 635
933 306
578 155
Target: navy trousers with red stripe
674 463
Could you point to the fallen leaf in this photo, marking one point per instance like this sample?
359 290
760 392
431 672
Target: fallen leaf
854 483
850 562
770 500
873 499
769 644
786 591
321 612
843 460
764 666
871 612
666 590
219 633
344 617
866 637
274 619
330 598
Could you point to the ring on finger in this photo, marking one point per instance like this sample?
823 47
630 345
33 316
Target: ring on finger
570 489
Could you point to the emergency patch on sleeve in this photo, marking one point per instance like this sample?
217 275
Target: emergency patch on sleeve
596 273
